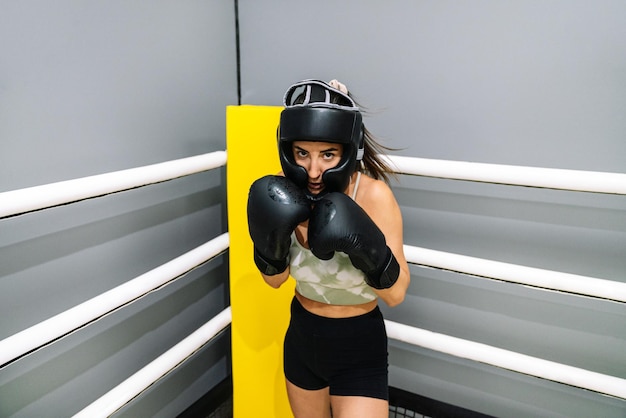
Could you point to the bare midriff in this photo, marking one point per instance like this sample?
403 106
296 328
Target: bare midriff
335 311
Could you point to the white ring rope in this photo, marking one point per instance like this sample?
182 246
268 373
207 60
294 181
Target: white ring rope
35 198
50 330
54 194
521 363
130 388
545 279
550 178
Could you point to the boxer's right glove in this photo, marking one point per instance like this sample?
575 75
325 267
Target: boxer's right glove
275 207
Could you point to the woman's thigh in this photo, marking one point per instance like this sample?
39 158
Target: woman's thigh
359 406
308 403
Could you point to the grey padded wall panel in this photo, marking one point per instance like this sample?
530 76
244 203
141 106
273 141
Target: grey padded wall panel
89 88
521 82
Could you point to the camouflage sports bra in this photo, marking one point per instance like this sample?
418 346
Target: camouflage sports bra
335 281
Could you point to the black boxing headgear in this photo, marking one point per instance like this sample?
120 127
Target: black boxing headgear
315 111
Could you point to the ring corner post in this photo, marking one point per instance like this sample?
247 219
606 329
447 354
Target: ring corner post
260 314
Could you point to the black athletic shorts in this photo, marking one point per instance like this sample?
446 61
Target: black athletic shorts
348 355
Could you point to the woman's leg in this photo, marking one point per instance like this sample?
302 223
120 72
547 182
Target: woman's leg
308 403
359 406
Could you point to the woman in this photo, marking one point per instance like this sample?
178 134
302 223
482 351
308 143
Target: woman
332 223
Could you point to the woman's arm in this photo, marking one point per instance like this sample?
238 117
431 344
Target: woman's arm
276 280
381 205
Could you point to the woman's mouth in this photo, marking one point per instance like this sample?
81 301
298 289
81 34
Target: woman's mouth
315 187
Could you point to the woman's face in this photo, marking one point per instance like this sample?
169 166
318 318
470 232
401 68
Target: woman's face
315 158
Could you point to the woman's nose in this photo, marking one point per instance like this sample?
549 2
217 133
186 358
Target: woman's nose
315 169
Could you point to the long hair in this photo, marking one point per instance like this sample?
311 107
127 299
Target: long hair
373 164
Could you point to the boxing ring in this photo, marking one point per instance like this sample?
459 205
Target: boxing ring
37 337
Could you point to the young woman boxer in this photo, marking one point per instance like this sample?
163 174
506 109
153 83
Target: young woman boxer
331 222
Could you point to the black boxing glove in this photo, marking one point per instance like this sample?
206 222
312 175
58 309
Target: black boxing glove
337 223
275 207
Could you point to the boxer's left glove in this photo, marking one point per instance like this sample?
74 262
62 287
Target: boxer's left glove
338 223
275 207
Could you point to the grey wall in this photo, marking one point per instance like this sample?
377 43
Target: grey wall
530 83
88 88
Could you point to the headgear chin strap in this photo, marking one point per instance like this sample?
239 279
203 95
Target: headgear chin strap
315 111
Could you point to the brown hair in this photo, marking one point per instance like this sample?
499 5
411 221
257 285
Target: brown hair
373 164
